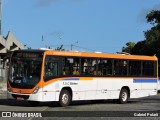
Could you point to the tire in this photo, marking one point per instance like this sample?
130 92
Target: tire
124 96
64 98
33 103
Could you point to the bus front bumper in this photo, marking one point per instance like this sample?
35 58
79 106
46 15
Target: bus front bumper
40 96
29 97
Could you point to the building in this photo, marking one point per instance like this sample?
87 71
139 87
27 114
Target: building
8 43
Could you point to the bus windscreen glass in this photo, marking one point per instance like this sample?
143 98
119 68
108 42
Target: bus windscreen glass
25 70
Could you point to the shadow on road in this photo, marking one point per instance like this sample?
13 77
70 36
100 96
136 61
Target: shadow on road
8 102
4 101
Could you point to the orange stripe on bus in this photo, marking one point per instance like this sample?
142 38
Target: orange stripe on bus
100 55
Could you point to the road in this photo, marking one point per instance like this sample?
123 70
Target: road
142 105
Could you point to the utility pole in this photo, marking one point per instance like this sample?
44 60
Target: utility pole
73 45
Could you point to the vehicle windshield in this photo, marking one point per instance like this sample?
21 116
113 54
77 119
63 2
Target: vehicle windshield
25 72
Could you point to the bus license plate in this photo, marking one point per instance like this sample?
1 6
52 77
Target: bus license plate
20 98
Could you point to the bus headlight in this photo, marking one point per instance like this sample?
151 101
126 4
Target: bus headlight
36 90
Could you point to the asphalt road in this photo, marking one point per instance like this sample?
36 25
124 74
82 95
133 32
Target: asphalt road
86 109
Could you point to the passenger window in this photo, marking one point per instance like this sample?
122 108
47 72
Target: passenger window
51 68
71 66
135 68
120 67
88 66
105 67
148 68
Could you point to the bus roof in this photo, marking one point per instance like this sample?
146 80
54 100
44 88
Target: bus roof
91 54
99 55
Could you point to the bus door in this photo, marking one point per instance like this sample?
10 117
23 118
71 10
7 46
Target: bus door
51 72
104 84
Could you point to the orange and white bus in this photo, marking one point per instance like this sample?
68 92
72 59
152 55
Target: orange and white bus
65 76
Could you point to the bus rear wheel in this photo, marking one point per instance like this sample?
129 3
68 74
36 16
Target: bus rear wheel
64 98
124 96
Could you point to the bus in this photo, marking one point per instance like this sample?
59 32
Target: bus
65 76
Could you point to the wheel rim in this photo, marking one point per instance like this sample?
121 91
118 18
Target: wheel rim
124 96
65 98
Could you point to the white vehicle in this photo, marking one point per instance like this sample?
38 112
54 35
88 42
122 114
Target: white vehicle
63 76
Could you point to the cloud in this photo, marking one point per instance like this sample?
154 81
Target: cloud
43 3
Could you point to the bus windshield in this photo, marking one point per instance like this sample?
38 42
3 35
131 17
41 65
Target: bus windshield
25 70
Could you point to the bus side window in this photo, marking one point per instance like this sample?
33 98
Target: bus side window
50 68
109 67
120 67
71 66
148 68
104 67
135 68
100 67
116 67
76 66
66 65
88 66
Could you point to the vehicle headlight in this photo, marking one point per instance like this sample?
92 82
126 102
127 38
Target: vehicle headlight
36 90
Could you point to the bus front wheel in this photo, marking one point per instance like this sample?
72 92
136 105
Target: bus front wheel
64 98
124 96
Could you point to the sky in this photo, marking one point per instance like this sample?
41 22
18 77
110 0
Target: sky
88 25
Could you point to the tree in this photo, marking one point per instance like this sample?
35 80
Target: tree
153 35
151 44
139 48
129 47
153 17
